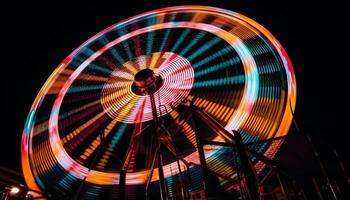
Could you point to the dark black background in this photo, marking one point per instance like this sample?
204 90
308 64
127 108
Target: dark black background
36 38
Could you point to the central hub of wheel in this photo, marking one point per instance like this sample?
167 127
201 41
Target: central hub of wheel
146 82
126 96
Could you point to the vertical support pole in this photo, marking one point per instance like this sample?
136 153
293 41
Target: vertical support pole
122 179
163 187
317 188
203 163
342 167
324 172
188 176
249 175
183 190
154 112
148 183
283 186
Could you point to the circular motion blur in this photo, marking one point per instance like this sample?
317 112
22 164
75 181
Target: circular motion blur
121 105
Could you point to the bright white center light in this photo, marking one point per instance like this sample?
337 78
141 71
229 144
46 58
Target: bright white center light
14 190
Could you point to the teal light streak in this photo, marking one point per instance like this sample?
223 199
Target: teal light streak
239 79
217 67
39 182
248 137
258 49
204 48
116 137
166 37
99 68
267 68
91 65
76 89
272 92
150 35
194 41
180 39
87 51
29 122
265 47
212 57
67 181
170 182
122 32
93 193
113 51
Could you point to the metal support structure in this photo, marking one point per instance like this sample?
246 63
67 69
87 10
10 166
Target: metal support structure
146 83
172 147
249 174
274 167
151 173
162 184
204 168
318 190
324 172
93 162
342 167
329 185
283 186
267 175
213 124
272 164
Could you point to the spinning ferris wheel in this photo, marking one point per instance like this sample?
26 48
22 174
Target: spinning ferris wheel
127 112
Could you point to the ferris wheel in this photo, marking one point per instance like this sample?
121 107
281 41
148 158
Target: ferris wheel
122 114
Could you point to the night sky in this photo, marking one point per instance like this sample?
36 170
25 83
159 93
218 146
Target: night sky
36 40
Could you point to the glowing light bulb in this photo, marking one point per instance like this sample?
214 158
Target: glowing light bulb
14 190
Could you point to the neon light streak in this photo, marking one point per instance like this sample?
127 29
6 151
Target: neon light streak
113 51
150 35
239 79
193 42
166 40
222 65
97 141
77 89
213 56
204 48
117 137
111 146
186 128
180 39
123 32
87 52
